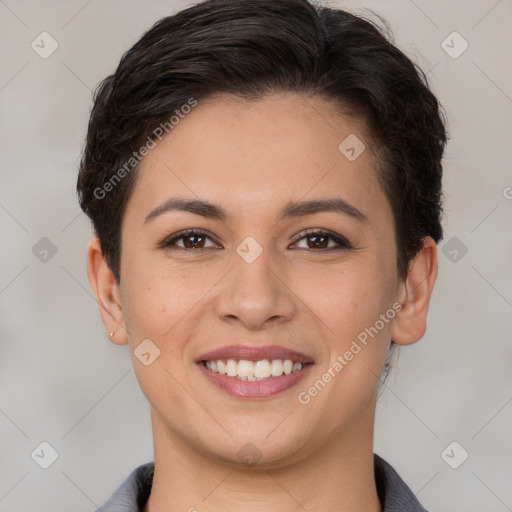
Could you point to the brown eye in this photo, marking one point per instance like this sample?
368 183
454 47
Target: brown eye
193 241
321 239
189 240
318 241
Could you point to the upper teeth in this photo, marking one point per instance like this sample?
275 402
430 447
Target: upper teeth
253 370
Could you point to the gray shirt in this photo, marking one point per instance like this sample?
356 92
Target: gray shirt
134 492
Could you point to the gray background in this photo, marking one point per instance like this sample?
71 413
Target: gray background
63 382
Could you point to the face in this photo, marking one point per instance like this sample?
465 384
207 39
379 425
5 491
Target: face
274 270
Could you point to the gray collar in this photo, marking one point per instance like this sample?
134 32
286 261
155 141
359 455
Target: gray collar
134 492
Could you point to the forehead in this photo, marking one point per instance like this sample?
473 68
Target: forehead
253 155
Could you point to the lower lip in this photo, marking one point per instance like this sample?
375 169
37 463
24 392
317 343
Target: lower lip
256 388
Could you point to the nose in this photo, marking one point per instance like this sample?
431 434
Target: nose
256 294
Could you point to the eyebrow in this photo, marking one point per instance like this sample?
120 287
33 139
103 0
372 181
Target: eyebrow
291 209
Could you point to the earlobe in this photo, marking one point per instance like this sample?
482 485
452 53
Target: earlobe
106 290
414 295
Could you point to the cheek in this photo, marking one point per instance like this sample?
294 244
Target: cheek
162 300
162 305
347 298
155 302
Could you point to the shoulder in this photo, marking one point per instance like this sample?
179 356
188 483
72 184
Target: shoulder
394 493
133 493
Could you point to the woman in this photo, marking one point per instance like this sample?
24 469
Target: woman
264 181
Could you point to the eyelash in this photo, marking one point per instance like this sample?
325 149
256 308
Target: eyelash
343 243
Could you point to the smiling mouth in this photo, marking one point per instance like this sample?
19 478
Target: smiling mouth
244 370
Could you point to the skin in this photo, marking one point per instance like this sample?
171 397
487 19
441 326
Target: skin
252 158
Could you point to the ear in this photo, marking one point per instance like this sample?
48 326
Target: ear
106 290
414 295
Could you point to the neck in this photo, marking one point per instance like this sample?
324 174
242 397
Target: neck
338 477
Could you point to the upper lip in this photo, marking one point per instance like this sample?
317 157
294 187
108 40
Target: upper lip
250 353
